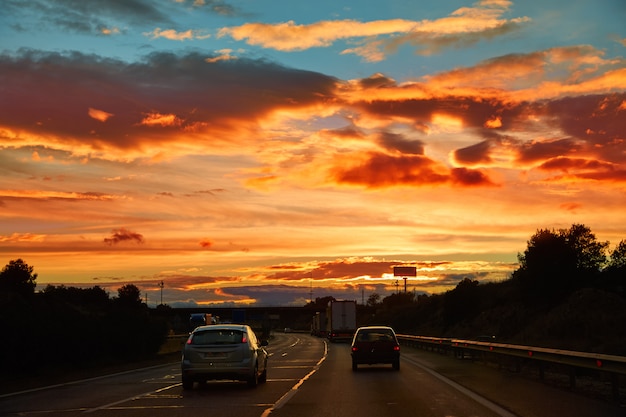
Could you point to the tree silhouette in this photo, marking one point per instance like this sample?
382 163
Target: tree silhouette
129 295
557 262
614 275
373 299
618 257
18 277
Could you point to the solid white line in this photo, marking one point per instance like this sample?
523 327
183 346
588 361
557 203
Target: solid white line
502 412
287 396
95 378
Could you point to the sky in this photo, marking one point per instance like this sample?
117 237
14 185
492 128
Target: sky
269 152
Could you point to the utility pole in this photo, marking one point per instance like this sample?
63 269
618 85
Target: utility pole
161 285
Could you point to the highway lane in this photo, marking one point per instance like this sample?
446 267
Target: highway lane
378 390
157 391
429 384
307 377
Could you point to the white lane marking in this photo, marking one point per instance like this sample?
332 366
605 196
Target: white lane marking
479 399
287 396
96 378
134 397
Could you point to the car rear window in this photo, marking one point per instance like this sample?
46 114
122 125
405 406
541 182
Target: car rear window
375 336
217 337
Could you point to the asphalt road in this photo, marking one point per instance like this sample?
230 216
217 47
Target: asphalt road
307 377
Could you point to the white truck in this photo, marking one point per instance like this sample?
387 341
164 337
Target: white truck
318 324
341 320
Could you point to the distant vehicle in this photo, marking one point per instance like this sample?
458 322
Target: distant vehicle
318 324
373 345
201 319
341 320
224 351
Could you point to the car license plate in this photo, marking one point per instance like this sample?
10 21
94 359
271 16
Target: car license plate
213 355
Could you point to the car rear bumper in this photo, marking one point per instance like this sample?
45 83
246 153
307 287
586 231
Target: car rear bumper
371 359
217 371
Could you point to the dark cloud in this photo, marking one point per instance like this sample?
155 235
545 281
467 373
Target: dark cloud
345 132
381 170
474 154
93 16
398 142
538 151
123 235
568 164
187 93
334 269
469 177
377 81
205 243
599 121
89 16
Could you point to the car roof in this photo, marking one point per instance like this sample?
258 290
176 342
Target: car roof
374 328
240 327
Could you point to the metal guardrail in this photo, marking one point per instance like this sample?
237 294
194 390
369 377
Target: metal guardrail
613 365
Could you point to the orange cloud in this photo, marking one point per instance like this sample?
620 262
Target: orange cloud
157 119
48 194
99 114
174 35
23 237
291 37
463 26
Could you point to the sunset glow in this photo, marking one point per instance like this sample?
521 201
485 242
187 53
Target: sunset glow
269 152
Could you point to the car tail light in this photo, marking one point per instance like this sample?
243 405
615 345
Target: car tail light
354 348
189 340
244 338
396 348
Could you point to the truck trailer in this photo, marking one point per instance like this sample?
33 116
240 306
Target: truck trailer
341 320
319 325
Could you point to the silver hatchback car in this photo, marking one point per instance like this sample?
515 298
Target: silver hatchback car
224 351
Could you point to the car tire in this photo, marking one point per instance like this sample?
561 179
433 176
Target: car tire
263 377
254 379
187 384
396 365
355 366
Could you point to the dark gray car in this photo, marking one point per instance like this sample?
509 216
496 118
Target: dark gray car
223 351
375 344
